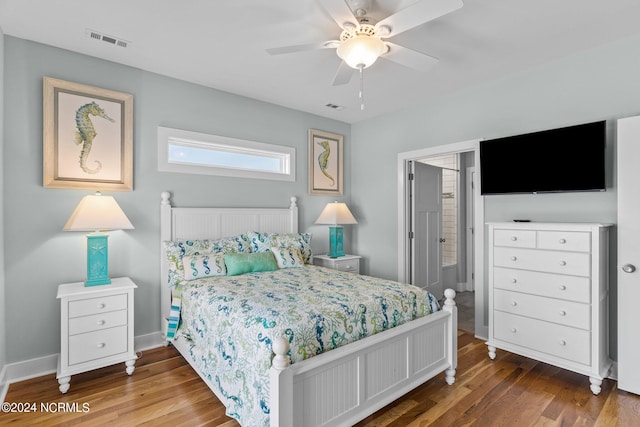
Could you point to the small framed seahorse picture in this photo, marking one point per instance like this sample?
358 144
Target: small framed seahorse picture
87 137
325 163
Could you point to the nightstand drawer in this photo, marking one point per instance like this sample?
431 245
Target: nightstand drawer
98 344
350 266
347 263
96 322
98 305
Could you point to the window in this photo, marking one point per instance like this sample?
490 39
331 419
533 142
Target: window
201 153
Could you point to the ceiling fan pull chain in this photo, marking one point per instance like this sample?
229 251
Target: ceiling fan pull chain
361 88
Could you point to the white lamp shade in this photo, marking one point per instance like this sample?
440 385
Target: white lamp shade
336 213
361 51
98 212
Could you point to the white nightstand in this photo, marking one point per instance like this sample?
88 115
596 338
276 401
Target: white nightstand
96 328
348 263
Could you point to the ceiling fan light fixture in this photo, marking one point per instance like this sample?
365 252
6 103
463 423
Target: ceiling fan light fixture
361 51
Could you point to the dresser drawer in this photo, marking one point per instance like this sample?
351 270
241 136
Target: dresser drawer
572 288
572 263
97 305
96 322
515 238
97 344
557 340
564 241
567 313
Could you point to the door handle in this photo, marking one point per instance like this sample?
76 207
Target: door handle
629 268
442 240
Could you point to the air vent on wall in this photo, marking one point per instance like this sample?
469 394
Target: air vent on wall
115 41
334 106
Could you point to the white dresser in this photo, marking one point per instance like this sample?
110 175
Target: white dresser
96 328
549 294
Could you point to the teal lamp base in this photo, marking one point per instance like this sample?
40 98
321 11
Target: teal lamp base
97 260
336 248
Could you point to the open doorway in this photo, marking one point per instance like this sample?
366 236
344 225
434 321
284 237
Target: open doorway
455 239
462 227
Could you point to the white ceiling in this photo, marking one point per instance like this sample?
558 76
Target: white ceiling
221 44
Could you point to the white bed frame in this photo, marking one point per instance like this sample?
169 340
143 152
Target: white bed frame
344 385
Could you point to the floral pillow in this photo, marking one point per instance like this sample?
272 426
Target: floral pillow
263 242
288 257
177 250
196 267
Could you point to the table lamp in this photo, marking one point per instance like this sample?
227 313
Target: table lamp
97 213
335 214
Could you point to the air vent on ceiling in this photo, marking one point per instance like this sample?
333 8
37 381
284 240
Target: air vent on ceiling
115 41
334 106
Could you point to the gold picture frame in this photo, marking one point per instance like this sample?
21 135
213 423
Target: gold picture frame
87 137
326 163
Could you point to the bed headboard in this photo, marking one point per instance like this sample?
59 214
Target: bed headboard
216 223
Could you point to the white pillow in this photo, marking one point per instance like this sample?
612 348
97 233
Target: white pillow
288 257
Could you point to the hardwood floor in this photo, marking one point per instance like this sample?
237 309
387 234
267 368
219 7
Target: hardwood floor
164 390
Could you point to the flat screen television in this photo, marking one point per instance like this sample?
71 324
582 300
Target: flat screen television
555 160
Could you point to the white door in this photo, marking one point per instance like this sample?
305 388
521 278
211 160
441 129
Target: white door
426 224
628 146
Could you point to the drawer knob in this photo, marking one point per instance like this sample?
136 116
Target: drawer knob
514 330
514 258
101 322
562 241
563 342
102 305
514 280
514 303
563 313
562 287
514 238
563 262
101 345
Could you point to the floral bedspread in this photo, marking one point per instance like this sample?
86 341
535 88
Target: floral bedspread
230 323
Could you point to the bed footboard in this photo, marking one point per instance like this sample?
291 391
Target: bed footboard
349 383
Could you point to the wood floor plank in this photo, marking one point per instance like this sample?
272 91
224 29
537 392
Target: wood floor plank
164 390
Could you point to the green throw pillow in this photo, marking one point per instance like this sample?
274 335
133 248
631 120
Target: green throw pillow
249 263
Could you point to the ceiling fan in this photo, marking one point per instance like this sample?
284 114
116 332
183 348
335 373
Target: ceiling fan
361 41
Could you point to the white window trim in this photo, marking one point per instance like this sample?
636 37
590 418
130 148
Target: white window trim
167 135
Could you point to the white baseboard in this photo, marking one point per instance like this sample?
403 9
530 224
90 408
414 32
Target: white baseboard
148 341
27 369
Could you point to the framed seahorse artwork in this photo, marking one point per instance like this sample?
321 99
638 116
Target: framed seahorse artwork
326 163
87 137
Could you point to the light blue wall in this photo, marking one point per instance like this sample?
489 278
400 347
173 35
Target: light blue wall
601 83
39 255
598 84
3 351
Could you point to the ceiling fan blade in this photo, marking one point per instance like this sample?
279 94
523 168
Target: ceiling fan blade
417 14
340 12
343 75
302 47
409 58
